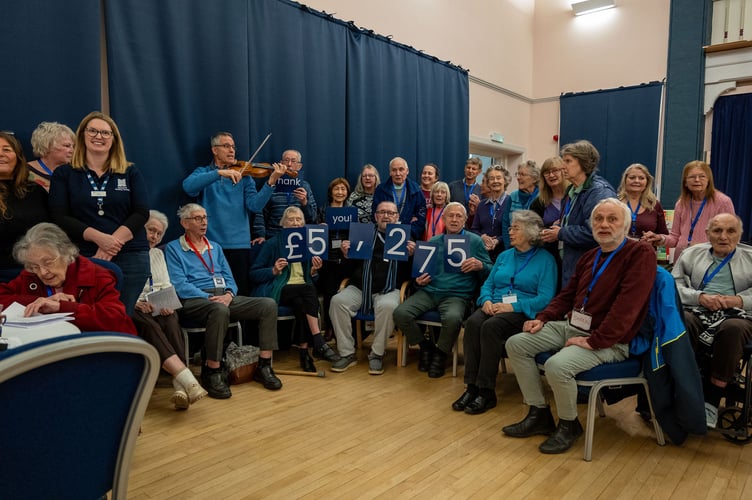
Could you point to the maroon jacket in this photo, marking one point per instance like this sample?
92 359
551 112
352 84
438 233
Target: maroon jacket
97 307
619 300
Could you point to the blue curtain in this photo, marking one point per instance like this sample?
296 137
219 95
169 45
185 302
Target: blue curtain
51 65
621 123
182 69
731 153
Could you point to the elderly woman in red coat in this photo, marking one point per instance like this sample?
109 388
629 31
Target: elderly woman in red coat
57 279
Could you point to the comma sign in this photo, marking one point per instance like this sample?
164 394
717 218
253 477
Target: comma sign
303 243
361 241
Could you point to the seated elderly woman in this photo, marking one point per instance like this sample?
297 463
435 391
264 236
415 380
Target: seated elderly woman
522 283
57 279
291 284
162 329
715 285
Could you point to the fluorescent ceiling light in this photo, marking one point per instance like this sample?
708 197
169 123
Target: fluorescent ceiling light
588 6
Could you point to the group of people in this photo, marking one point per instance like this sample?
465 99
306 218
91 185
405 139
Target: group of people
551 265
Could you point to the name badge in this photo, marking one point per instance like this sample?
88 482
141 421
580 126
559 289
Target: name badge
98 194
581 320
336 244
510 298
219 281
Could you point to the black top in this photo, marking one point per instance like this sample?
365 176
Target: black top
22 214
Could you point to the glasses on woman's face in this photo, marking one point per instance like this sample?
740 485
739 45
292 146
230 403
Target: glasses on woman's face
93 132
368 176
46 265
198 219
552 173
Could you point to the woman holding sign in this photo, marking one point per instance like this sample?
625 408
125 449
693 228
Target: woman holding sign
522 282
291 284
161 328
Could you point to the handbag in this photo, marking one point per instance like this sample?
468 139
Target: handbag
241 362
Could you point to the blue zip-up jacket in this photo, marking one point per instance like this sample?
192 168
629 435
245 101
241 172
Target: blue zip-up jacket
267 223
414 204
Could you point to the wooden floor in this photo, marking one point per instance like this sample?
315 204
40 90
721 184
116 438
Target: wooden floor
351 435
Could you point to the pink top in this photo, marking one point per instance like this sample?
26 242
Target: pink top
679 234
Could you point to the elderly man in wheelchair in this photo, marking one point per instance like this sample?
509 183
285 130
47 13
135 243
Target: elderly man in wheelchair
715 285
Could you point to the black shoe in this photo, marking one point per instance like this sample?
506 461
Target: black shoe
463 401
213 380
537 421
326 352
306 361
479 405
563 438
264 374
437 368
425 359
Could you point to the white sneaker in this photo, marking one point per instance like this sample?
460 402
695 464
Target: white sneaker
180 400
711 416
195 392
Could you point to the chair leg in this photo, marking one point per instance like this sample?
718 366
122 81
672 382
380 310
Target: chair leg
187 349
656 426
358 337
401 348
455 355
593 401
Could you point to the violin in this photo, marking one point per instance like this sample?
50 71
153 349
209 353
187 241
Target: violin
258 170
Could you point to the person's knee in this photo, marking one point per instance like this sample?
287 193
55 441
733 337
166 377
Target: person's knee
402 315
218 310
516 344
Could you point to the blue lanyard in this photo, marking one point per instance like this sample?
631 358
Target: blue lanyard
597 275
50 291
401 198
151 283
94 187
493 208
706 279
435 220
568 208
467 193
694 221
633 229
519 269
530 199
46 169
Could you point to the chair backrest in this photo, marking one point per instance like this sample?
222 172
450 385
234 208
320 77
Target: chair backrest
72 408
111 266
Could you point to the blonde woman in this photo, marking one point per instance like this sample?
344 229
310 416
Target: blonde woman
636 190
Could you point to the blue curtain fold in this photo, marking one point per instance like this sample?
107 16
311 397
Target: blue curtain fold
51 64
179 70
731 153
621 123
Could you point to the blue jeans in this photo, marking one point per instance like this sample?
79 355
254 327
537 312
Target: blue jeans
136 270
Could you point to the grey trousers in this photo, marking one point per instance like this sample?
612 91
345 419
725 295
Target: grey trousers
215 317
451 310
345 306
561 368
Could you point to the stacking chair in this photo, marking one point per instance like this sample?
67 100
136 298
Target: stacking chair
187 327
114 268
72 409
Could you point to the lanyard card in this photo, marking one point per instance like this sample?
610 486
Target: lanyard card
361 241
395 242
424 258
317 240
293 247
341 217
456 251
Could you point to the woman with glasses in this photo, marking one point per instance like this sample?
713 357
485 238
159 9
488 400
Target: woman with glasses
698 202
489 216
439 199
22 202
527 175
362 197
636 191
100 200
57 279
573 233
53 145
520 285
292 284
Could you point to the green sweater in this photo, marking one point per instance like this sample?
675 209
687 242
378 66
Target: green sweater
445 284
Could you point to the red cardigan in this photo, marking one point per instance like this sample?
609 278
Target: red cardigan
97 307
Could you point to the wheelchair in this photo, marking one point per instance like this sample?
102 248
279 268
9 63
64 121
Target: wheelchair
735 419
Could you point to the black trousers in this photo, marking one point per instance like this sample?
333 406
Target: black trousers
485 337
304 300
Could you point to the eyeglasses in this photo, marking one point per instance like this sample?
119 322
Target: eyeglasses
699 177
47 265
552 173
198 219
93 132
368 176
522 174
387 213
290 160
226 146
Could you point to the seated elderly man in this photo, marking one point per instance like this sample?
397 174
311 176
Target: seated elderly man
450 293
715 285
203 281
605 303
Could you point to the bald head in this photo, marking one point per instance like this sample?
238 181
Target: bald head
724 232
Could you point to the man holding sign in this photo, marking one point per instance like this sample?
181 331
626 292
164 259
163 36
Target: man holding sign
373 286
461 265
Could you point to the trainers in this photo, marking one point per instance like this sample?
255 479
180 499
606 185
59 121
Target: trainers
326 352
180 400
344 362
375 364
195 392
711 416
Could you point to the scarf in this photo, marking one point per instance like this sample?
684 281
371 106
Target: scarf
366 307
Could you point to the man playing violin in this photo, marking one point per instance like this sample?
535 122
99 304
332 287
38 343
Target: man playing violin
231 198
267 225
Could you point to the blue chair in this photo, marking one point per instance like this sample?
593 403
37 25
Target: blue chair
187 327
72 409
114 268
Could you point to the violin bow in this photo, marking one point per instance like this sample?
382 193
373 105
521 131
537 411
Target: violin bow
256 152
